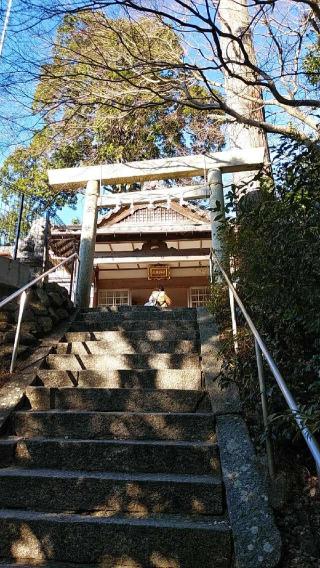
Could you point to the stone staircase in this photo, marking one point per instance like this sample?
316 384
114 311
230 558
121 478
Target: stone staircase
112 458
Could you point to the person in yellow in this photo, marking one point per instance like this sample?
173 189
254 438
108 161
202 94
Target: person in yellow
159 298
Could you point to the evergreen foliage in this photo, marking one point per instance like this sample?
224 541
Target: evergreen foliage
275 243
82 120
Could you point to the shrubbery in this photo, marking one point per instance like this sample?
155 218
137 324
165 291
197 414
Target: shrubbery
275 242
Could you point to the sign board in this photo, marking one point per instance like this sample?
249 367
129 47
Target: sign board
159 272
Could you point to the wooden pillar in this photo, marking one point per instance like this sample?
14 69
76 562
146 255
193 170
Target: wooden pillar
87 244
217 209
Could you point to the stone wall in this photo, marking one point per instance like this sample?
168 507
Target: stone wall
13 275
46 307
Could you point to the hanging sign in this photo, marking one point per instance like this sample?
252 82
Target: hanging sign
159 272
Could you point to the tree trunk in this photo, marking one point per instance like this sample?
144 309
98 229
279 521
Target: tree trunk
246 100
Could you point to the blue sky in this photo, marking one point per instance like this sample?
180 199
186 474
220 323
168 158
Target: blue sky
28 43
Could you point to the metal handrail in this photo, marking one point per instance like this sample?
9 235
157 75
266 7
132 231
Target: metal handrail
23 292
260 347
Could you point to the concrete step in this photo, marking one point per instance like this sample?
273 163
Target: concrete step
134 325
139 456
117 540
118 400
81 491
130 337
189 379
188 312
125 347
115 362
114 425
29 563
141 314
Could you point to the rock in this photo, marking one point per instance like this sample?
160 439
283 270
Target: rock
56 299
29 327
38 308
11 307
53 314
68 305
6 351
64 291
4 325
28 315
25 338
62 313
52 287
45 323
43 296
5 317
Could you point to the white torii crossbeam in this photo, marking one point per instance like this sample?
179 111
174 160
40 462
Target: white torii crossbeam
163 168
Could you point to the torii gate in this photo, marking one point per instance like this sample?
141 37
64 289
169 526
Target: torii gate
213 165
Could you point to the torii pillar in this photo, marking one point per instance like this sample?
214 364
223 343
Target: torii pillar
87 244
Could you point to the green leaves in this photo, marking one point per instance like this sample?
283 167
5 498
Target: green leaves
276 246
103 99
105 92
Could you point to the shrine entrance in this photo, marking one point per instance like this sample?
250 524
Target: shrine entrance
153 236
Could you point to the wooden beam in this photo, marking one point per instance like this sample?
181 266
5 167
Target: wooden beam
163 168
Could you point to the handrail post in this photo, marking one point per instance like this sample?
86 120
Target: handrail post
71 279
18 229
294 408
233 321
264 404
210 269
233 311
23 292
75 278
23 300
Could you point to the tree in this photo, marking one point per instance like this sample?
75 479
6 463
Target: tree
276 252
23 173
273 77
86 117
92 111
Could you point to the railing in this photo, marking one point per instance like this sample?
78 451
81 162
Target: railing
23 292
260 348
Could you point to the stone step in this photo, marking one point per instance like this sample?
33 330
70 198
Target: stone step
125 347
189 379
134 325
117 540
191 312
118 400
151 335
114 425
149 315
81 491
29 563
198 458
141 313
115 362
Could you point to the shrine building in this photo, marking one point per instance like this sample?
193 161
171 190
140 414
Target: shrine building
149 237
140 247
